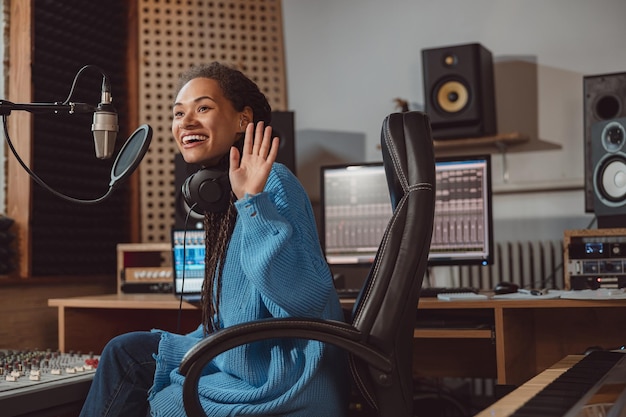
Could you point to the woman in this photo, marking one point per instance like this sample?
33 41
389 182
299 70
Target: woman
263 260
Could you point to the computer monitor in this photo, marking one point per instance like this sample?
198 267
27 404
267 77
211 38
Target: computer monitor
188 261
356 207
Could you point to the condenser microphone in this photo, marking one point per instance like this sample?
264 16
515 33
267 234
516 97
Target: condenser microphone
105 125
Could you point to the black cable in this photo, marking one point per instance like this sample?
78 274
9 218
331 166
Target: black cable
182 284
105 81
39 180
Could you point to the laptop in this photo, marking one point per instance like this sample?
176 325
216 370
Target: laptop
188 262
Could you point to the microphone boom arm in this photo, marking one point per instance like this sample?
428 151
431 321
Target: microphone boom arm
6 107
104 127
105 121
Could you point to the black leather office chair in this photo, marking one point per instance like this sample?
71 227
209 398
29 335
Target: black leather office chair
379 338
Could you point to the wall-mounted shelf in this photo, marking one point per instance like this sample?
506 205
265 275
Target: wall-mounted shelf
500 143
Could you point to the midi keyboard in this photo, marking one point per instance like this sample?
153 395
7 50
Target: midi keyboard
595 386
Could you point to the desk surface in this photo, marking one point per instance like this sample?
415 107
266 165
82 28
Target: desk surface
123 301
434 303
169 301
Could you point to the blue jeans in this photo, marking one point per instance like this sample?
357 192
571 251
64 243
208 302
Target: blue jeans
125 374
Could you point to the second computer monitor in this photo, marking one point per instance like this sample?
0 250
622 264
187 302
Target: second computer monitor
356 209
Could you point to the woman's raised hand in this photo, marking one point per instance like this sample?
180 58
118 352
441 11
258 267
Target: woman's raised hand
250 170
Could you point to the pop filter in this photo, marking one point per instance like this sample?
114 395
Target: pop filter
131 154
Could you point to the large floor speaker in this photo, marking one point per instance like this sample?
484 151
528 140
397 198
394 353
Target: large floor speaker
283 127
604 99
184 218
459 94
608 158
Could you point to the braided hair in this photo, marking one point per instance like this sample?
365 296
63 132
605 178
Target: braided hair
242 92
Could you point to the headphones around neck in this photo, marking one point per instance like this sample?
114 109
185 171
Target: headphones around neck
208 190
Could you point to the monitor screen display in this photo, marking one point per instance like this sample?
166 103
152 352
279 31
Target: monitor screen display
356 208
188 260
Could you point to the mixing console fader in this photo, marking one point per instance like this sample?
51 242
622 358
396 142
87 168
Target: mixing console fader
33 382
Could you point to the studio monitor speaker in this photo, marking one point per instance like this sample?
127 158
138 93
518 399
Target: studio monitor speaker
459 94
608 158
283 127
604 100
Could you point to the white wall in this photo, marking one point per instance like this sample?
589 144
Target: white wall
348 59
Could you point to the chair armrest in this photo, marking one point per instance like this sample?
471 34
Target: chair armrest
335 333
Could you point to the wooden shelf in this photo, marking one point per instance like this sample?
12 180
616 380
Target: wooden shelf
154 260
500 143
453 333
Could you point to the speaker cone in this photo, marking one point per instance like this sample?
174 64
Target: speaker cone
452 96
610 180
607 107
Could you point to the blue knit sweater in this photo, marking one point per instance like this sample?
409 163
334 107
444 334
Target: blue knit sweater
274 268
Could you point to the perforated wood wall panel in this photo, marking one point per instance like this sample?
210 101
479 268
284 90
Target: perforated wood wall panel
174 35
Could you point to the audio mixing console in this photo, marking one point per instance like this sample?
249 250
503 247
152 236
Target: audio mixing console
43 383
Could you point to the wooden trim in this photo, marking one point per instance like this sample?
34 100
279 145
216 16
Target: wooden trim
132 71
61 328
20 88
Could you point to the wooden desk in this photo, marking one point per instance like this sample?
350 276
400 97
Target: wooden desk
527 337
511 402
518 338
87 323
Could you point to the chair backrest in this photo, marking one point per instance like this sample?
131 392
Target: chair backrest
385 311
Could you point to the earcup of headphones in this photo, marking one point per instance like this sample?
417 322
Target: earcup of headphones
207 190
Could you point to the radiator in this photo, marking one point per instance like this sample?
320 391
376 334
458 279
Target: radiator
535 264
